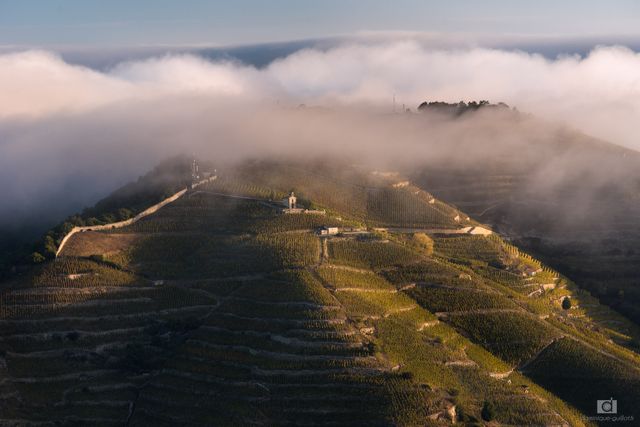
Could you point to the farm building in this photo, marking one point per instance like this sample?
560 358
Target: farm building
530 271
328 231
401 184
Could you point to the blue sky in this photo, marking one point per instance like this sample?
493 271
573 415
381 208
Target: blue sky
154 22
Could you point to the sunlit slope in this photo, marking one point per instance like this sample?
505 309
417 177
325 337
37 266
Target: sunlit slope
377 199
221 310
568 198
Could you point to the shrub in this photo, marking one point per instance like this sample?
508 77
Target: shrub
50 247
423 241
37 258
488 411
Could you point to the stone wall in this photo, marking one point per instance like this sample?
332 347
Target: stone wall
151 210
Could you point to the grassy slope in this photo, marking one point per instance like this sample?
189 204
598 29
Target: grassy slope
253 312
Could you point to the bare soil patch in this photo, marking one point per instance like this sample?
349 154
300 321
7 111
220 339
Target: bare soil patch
91 243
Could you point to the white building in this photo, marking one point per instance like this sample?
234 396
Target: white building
328 231
291 202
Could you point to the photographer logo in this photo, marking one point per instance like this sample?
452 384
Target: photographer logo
607 406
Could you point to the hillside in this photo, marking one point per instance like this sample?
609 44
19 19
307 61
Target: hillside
18 250
569 199
220 309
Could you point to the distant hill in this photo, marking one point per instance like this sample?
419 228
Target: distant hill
571 199
224 308
460 108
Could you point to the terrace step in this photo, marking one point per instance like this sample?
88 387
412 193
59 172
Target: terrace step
308 304
285 321
55 353
43 336
89 290
282 339
63 377
273 354
109 316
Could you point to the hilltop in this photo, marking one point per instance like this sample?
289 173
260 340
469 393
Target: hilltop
459 108
225 308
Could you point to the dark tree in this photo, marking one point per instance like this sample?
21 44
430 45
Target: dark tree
488 411
37 258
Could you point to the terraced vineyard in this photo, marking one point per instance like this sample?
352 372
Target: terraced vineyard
587 230
220 310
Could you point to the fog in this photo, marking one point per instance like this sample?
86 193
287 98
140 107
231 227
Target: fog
70 134
597 93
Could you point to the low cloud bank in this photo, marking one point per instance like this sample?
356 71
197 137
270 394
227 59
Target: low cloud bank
598 93
69 134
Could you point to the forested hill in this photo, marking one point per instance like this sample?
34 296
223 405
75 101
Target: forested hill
459 108
372 303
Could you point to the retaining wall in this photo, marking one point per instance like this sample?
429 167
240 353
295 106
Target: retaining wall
151 210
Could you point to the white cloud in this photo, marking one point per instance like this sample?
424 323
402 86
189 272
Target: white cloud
62 123
36 83
599 94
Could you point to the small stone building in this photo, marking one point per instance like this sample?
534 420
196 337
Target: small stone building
292 201
328 231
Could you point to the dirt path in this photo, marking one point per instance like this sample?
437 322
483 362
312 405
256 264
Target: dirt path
399 310
428 324
367 290
477 230
347 268
500 375
325 251
456 288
